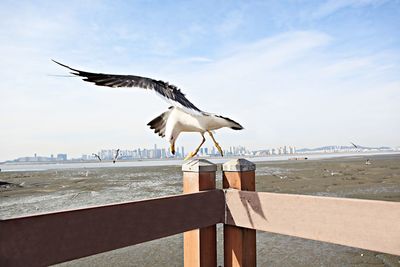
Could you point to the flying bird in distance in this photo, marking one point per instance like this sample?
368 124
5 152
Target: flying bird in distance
183 116
116 156
354 145
97 156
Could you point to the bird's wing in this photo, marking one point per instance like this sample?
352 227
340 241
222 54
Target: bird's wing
170 92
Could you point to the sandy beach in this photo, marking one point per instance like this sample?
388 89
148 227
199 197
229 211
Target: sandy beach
24 193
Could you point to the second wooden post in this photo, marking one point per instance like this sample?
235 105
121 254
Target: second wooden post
239 243
200 245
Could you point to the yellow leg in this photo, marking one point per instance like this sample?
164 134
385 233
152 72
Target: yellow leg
192 154
216 144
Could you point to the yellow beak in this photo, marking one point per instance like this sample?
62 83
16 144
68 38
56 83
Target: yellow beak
173 149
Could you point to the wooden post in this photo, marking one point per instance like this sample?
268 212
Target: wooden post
239 243
200 245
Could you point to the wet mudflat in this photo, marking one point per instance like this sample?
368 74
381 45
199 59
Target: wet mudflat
24 193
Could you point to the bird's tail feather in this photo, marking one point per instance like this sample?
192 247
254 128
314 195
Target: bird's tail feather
159 123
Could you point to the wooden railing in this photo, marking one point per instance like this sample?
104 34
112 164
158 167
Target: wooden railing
367 224
57 237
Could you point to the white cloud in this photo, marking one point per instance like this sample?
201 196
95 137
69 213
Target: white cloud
287 90
332 6
284 89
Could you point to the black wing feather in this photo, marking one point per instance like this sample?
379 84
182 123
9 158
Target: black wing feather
169 91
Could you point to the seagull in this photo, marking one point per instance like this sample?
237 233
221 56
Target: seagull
182 116
116 156
97 156
279 176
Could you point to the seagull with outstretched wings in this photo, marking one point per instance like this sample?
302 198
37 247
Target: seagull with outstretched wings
97 156
183 116
116 156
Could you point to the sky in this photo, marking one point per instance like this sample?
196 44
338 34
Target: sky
299 73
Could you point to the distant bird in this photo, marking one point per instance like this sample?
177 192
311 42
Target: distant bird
279 176
97 156
116 156
367 162
332 173
354 145
183 116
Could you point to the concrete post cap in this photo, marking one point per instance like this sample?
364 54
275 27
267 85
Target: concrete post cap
238 165
199 165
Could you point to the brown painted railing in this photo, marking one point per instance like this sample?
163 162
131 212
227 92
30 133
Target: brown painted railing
57 237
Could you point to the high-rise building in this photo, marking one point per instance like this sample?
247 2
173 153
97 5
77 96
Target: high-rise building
61 156
157 152
285 150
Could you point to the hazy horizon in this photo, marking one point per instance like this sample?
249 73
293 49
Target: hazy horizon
308 74
227 149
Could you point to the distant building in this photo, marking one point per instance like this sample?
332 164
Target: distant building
62 157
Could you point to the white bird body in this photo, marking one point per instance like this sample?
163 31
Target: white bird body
179 121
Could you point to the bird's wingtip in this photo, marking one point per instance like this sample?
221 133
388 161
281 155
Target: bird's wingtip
63 65
55 61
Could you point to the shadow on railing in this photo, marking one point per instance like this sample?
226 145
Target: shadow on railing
57 237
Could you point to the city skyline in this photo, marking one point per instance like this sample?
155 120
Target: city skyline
164 153
317 72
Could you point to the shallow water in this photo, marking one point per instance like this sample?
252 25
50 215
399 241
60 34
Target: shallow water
53 190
